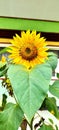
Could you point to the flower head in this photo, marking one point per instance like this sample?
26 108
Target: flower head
29 49
3 59
52 112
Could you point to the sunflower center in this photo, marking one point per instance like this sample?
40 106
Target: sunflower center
28 52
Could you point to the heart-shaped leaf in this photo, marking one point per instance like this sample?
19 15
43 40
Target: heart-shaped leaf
30 87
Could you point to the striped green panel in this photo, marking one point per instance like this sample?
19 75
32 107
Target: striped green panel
25 24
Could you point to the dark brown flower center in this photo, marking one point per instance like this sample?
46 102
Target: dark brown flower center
28 52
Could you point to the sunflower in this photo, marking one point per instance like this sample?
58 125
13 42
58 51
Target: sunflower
3 59
29 49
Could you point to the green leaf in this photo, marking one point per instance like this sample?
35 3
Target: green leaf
4 100
54 88
52 108
3 71
46 127
57 75
52 60
2 65
11 117
4 50
30 87
3 68
51 120
56 127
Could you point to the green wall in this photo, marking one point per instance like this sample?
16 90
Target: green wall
25 24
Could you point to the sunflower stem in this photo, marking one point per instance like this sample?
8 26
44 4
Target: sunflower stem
31 125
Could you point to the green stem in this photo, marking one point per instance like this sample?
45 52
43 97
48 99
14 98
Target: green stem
31 125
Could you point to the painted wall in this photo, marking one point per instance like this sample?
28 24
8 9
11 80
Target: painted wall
36 9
